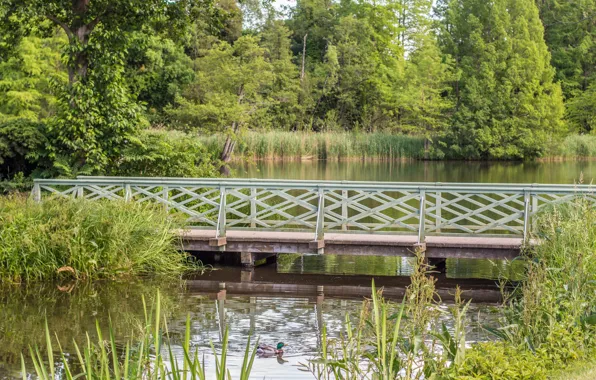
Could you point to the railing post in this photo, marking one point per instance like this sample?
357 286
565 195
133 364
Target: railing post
438 219
221 217
80 191
36 193
344 210
527 198
534 209
166 197
127 193
253 207
422 219
319 243
320 216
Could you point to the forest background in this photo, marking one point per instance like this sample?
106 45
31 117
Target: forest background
137 87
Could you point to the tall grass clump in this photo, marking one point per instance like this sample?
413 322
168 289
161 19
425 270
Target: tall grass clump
396 341
279 145
86 239
573 147
549 320
147 356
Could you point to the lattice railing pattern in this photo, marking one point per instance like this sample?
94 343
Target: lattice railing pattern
350 207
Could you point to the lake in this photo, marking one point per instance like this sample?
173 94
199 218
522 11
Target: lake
287 311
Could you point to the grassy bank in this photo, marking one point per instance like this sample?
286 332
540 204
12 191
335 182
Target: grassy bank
85 239
548 321
278 145
326 146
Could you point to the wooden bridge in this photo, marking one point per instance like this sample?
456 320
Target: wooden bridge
260 218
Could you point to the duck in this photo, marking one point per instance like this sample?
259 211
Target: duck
267 350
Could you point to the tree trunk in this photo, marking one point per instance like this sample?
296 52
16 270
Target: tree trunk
426 148
78 33
302 72
226 153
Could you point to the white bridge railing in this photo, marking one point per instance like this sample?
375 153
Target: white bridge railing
331 206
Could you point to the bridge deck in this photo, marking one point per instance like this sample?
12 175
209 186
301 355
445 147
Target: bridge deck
355 244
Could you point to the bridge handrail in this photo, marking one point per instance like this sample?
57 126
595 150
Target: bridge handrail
435 207
327 182
302 184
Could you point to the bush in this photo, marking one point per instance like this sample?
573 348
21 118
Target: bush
85 239
160 153
22 144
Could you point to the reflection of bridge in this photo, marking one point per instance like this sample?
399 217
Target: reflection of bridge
222 285
259 218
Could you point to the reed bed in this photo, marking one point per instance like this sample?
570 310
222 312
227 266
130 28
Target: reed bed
86 240
278 145
148 356
573 147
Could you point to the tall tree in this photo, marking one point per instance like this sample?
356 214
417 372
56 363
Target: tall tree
423 96
228 93
26 78
96 115
507 102
570 33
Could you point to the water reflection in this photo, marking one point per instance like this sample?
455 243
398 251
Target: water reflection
567 172
395 266
291 311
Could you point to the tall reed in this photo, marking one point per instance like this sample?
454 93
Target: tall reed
147 357
86 239
390 341
281 145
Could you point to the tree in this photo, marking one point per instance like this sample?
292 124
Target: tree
570 33
507 102
97 115
26 78
157 71
228 93
424 102
284 90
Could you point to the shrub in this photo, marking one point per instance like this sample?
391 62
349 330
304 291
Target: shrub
86 239
160 153
22 144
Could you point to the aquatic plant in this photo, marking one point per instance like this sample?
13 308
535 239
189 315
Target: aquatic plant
149 356
87 240
549 319
392 341
325 146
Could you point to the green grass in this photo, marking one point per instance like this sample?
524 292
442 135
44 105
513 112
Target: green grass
329 146
86 240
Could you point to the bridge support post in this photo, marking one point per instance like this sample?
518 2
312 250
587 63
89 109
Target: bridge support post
247 274
249 259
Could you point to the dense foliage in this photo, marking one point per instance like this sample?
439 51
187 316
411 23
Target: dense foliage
477 80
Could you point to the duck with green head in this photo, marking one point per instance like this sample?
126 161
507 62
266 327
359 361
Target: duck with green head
266 350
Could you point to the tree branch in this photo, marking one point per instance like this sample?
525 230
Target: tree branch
61 24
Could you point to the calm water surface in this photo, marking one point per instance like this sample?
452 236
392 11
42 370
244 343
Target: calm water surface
278 303
290 313
417 171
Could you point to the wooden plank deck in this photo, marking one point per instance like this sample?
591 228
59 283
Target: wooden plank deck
354 244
